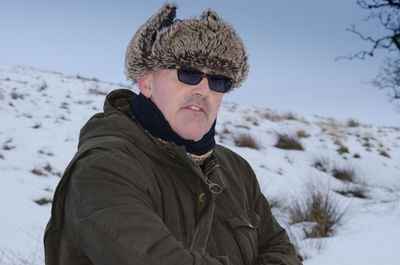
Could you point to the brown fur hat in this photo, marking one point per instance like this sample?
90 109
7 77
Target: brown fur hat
205 42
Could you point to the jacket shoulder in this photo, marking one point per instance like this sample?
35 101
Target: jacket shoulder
236 167
226 156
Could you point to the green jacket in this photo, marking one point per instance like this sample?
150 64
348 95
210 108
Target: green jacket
128 198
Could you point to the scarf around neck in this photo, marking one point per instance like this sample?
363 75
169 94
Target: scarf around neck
148 115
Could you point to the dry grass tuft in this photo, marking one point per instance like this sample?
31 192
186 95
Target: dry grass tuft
288 143
246 140
242 126
321 163
384 153
48 168
43 201
15 95
338 142
302 134
7 147
37 126
342 149
352 123
345 174
320 209
43 86
290 116
225 131
273 116
97 92
42 152
37 172
358 192
368 145
86 78
275 203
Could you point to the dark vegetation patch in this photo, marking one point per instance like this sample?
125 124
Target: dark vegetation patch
288 143
246 140
321 210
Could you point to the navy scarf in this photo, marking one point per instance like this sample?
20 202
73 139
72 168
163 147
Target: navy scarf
147 114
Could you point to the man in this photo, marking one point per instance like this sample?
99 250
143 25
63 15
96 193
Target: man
148 184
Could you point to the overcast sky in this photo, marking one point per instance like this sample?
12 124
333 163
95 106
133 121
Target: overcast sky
292 45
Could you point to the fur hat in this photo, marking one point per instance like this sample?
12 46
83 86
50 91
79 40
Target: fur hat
206 42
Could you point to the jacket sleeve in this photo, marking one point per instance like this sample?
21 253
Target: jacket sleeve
274 244
112 219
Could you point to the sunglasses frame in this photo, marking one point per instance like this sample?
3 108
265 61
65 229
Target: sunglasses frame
211 78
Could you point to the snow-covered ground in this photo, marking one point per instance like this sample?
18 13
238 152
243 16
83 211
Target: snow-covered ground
41 114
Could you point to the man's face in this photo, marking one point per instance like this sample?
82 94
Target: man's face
190 109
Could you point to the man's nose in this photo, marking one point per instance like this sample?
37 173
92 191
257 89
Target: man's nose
202 88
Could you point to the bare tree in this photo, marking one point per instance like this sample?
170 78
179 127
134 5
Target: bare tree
387 13
388 78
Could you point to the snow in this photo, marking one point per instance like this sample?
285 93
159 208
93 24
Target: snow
42 112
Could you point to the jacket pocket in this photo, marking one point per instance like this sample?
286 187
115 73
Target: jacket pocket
244 228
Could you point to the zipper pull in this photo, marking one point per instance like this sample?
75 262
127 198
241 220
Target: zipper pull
213 187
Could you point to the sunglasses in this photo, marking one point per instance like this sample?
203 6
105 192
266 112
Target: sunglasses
217 83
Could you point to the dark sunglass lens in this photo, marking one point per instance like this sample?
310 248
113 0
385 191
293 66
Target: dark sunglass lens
189 76
219 84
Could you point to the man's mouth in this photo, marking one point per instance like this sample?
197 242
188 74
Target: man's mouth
195 108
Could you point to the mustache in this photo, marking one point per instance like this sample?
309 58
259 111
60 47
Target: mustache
197 100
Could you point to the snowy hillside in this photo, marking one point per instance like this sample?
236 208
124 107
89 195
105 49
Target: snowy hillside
354 168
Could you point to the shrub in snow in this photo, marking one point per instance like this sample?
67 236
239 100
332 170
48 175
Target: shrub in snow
37 126
225 131
353 123
342 149
43 201
275 202
37 172
321 163
302 134
344 174
320 209
289 116
43 86
384 153
288 142
273 116
14 95
253 120
246 140
356 192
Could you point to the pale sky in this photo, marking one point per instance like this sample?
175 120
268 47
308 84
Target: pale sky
292 46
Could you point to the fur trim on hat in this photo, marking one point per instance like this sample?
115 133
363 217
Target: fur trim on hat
205 42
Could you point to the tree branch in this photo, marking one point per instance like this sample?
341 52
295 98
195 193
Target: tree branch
375 5
387 12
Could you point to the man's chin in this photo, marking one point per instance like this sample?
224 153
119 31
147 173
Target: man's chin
191 136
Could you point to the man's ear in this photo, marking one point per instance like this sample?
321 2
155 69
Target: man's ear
145 85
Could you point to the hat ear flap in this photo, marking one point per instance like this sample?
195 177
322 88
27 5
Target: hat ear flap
210 15
139 48
163 18
212 20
